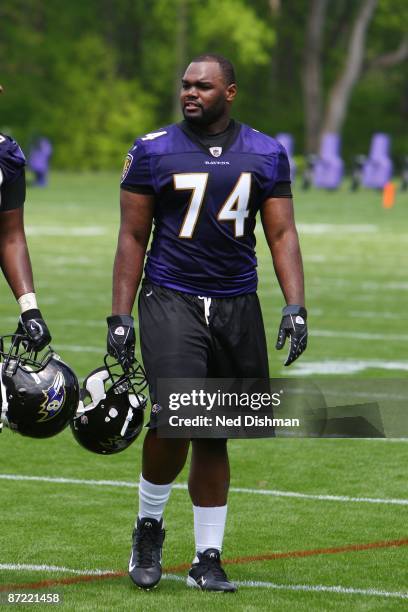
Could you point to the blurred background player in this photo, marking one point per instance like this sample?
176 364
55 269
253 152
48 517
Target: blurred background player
14 256
203 182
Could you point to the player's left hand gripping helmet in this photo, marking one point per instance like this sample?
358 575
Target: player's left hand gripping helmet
110 413
39 392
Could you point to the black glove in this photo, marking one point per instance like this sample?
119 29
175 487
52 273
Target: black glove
293 324
32 325
121 339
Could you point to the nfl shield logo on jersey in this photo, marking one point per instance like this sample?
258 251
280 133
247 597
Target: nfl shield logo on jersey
215 151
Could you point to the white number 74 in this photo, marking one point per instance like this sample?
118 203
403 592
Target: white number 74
234 208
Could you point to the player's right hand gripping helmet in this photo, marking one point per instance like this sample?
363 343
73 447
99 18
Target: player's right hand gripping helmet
110 414
39 394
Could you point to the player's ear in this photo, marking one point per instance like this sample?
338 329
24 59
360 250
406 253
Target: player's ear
231 92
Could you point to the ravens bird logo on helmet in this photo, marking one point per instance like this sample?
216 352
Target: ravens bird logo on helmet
39 394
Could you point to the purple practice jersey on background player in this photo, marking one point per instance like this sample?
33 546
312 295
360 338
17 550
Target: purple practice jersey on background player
12 178
205 207
12 158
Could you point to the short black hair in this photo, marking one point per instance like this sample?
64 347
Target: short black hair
226 66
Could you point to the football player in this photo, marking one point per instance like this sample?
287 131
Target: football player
14 257
202 182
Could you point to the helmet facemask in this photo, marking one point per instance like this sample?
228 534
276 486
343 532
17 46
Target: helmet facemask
110 414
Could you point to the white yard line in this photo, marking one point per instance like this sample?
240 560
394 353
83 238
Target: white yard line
352 335
375 316
315 588
394 285
80 323
77 348
257 584
331 228
183 486
324 285
58 230
53 568
356 335
336 228
322 588
345 366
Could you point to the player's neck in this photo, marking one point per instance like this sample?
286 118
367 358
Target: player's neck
212 129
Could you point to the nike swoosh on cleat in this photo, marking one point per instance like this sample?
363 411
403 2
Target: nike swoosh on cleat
131 565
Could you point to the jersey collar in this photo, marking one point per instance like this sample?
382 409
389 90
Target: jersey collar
225 139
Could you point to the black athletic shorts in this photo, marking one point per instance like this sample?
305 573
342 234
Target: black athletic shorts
187 336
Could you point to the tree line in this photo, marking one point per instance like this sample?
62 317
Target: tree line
93 75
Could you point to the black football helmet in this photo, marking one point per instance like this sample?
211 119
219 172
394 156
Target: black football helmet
39 394
110 414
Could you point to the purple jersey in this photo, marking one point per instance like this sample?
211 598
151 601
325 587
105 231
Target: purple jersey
205 206
12 158
12 178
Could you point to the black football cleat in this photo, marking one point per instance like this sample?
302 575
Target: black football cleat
145 561
208 574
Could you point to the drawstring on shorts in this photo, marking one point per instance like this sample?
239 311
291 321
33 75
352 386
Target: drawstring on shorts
207 306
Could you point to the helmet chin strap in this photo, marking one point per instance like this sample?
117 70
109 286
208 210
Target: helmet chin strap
4 402
129 417
96 387
135 402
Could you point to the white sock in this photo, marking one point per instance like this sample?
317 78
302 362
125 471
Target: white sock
152 498
209 525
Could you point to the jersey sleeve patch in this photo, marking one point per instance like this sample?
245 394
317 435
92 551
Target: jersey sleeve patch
126 166
136 171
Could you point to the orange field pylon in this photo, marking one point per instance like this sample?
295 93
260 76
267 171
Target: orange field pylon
388 199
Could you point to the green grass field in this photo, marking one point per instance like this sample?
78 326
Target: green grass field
59 511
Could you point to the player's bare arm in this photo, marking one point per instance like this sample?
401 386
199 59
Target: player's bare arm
14 257
281 234
16 266
135 227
